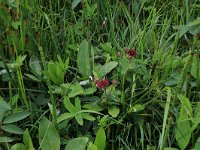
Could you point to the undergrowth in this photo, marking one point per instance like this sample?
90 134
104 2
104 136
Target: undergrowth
103 74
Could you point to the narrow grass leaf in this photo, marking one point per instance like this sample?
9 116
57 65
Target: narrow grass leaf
162 142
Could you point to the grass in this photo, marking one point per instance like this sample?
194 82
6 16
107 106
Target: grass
55 59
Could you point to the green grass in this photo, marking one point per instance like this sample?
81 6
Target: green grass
49 47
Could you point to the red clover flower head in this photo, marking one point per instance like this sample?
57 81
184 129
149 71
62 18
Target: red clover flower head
102 84
131 53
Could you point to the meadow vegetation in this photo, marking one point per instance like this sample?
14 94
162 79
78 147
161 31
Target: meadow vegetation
99 74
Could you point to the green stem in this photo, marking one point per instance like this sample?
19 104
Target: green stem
49 85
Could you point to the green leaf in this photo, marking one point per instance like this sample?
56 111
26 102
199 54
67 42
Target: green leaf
195 69
113 111
196 117
35 66
18 146
100 140
89 91
12 129
5 139
183 131
193 27
197 145
32 77
16 117
93 106
88 117
106 47
16 24
49 138
4 106
78 103
64 116
55 73
75 3
186 103
136 108
170 148
18 62
79 119
83 59
76 89
69 106
105 69
91 146
27 140
79 143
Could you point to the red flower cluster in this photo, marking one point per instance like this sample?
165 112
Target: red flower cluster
130 52
102 84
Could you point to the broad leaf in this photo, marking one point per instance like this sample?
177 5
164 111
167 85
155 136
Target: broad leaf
12 129
76 89
75 3
197 145
77 144
35 66
105 69
92 146
5 139
113 111
100 140
55 73
3 108
87 117
49 138
93 106
27 140
16 117
136 108
195 69
18 146
69 106
64 116
186 103
79 119
83 59
183 131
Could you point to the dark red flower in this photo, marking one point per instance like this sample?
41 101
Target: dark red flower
131 53
102 84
